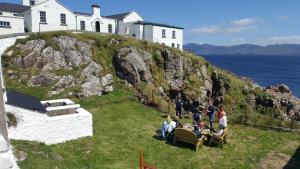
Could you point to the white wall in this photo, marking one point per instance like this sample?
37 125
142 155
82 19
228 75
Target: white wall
53 11
16 23
157 36
7 160
87 19
34 126
133 17
148 33
106 22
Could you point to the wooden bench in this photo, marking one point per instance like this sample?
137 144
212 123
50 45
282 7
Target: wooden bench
187 136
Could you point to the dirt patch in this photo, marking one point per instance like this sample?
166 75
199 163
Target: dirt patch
274 160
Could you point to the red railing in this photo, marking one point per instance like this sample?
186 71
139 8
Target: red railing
144 165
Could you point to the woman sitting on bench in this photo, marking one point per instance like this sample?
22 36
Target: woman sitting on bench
222 127
169 126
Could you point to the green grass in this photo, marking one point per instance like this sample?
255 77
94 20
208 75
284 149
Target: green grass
123 127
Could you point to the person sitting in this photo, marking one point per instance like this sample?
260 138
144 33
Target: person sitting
201 125
222 127
197 132
196 118
167 127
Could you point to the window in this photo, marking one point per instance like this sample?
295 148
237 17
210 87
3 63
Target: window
43 18
4 24
173 45
16 14
163 44
174 34
82 25
178 46
63 19
133 35
109 28
163 33
32 3
1 13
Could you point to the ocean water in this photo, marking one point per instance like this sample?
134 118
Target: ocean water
265 70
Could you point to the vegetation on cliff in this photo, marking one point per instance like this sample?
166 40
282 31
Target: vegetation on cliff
151 74
62 64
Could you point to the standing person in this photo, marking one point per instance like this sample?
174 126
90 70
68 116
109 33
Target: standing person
211 113
196 117
178 103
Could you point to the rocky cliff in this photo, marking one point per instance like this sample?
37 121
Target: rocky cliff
66 66
84 65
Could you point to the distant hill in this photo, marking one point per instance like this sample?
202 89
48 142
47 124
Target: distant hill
245 49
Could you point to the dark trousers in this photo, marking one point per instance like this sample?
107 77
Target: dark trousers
178 112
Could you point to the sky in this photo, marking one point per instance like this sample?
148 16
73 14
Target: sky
218 22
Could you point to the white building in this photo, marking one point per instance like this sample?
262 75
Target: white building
51 15
132 24
11 19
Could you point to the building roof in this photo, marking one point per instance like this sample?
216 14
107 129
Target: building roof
157 24
24 101
82 13
118 16
9 7
95 6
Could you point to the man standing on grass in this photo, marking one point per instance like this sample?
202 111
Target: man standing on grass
211 113
178 103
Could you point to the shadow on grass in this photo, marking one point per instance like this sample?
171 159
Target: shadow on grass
294 162
179 144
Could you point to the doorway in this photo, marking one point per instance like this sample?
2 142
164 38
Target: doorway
97 26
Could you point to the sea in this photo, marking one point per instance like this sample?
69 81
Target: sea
265 70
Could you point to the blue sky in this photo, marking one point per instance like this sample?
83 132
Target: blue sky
219 22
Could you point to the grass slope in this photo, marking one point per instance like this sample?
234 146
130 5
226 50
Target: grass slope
123 127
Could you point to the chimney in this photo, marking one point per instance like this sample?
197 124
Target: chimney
96 10
26 2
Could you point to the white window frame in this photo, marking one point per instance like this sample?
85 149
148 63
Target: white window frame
63 19
178 46
173 45
5 24
82 25
163 33
173 34
110 28
43 17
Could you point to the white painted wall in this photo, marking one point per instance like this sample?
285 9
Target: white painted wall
105 23
27 2
157 36
133 17
148 32
16 23
53 11
34 126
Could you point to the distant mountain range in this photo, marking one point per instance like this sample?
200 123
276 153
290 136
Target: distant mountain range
245 49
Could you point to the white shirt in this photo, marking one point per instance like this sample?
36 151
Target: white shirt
223 121
171 126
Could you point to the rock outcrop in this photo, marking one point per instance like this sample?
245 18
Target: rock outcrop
134 65
69 55
67 65
282 98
